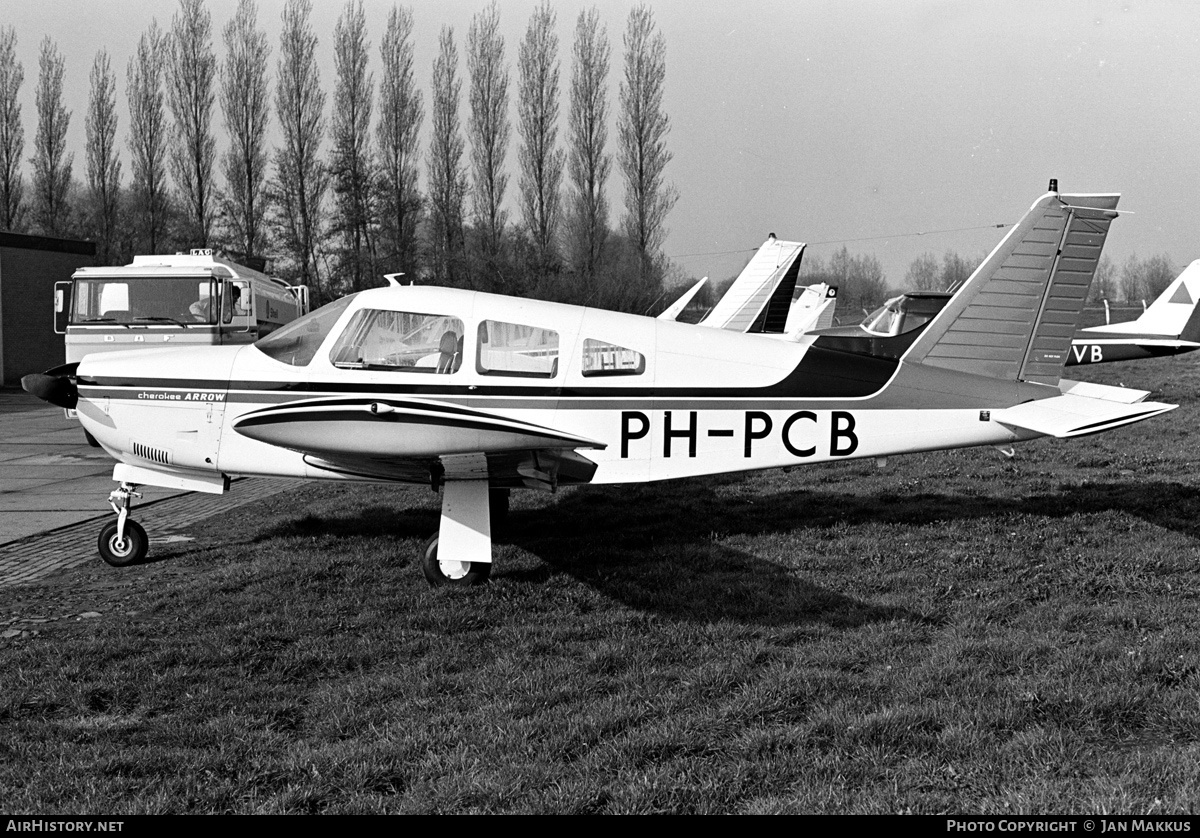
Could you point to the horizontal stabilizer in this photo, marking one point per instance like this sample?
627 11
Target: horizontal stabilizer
1072 415
676 308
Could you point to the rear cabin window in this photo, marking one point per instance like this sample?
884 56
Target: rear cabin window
516 350
297 342
400 341
600 358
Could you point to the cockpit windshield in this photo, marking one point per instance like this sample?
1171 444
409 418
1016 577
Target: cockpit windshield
297 342
885 320
903 314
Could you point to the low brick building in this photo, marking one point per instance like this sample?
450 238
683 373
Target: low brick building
29 267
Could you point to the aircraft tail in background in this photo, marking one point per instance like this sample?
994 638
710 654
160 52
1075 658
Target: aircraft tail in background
760 299
1170 326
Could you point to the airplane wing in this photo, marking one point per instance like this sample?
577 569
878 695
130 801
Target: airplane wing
532 469
415 440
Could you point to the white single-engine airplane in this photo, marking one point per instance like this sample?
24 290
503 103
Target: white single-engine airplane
476 394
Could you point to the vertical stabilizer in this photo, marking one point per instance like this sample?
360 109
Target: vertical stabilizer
812 309
1015 316
761 292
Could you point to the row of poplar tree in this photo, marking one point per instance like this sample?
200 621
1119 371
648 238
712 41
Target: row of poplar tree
338 200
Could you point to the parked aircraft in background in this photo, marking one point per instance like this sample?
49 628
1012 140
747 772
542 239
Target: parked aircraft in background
1170 326
476 394
765 297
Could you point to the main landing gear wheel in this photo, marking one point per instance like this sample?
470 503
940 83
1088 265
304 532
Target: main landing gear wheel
449 572
122 552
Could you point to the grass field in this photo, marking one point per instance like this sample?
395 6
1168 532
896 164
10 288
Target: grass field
956 633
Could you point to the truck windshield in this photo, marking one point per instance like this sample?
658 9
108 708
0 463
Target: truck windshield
297 342
145 300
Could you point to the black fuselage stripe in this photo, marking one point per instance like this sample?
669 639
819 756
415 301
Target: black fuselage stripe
821 373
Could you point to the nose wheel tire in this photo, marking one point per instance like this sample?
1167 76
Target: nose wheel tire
449 572
123 552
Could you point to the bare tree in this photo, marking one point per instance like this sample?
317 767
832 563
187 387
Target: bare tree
588 163
400 116
860 280
1104 284
148 140
923 274
537 108
192 71
12 134
246 107
103 162
51 162
955 269
643 127
300 178
489 126
447 179
1159 273
351 165
1132 273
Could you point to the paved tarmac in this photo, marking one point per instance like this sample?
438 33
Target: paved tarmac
54 491
49 476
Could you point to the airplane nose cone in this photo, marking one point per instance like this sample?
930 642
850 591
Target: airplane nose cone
54 386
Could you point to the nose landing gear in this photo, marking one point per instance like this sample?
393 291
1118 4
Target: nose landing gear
123 542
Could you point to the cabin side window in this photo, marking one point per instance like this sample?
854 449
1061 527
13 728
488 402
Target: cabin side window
400 341
601 358
517 350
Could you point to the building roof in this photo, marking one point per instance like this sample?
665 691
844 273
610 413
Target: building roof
25 242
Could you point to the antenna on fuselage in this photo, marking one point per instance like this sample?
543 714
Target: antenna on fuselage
393 279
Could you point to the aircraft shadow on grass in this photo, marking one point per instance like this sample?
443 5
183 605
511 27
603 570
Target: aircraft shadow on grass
658 548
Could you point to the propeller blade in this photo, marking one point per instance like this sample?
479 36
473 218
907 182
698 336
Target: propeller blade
57 389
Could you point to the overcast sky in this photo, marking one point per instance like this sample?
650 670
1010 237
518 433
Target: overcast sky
834 122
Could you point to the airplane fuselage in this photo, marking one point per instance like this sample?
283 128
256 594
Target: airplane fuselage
676 400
